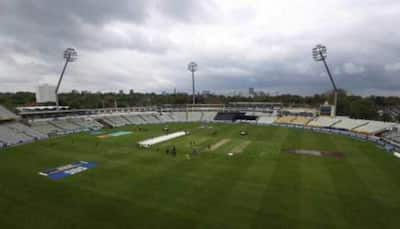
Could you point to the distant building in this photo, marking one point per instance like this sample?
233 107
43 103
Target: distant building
46 93
251 91
206 92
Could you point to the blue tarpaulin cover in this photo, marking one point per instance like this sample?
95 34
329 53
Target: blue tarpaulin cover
68 170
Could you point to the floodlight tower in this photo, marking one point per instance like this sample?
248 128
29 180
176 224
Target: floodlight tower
192 67
70 55
320 54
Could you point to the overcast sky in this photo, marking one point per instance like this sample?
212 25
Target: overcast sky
146 45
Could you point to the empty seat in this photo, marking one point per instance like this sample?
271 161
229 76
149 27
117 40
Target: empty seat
45 127
374 127
349 124
266 120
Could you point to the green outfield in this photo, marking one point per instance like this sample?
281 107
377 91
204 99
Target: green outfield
260 185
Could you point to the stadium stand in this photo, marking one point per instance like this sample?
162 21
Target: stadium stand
348 123
46 128
16 133
87 123
165 118
134 119
208 116
66 125
18 127
302 121
393 134
150 118
266 120
171 116
194 116
6 114
373 127
7 137
323 121
115 121
180 116
157 117
285 120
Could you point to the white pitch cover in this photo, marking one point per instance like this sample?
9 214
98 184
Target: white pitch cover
152 141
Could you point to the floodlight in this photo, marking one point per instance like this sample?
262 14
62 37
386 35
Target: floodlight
192 67
319 53
70 55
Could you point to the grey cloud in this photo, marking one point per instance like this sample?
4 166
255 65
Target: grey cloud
363 52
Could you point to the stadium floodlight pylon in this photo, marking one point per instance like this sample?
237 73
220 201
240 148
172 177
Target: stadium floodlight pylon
192 67
70 55
320 54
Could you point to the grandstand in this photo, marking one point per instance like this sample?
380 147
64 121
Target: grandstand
46 128
179 116
348 123
18 127
66 125
299 120
115 121
134 119
13 132
323 121
150 118
393 135
6 114
208 116
373 127
86 123
165 118
195 116
13 136
285 120
266 120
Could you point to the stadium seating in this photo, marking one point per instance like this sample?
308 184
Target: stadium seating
373 127
135 119
87 123
285 120
348 123
18 127
6 114
150 118
302 121
393 135
180 116
46 128
171 116
323 121
194 116
115 121
208 116
16 133
165 118
66 125
266 120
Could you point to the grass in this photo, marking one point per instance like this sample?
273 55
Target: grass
262 187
